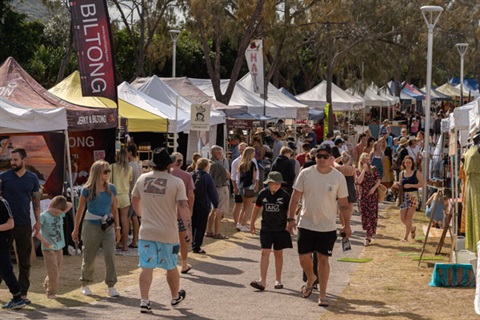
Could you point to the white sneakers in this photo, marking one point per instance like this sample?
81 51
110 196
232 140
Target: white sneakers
86 291
244 229
112 292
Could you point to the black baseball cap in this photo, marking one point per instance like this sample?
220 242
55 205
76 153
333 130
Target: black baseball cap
324 147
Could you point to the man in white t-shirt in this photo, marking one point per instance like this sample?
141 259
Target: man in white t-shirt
156 197
319 187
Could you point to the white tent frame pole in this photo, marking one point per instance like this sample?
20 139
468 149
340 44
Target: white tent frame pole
455 193
364 112
69 165
349 117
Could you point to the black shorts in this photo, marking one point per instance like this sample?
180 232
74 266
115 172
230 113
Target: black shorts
238 198
181 226
314 241
279 239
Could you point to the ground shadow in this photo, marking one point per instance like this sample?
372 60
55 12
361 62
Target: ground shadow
351 308
214 281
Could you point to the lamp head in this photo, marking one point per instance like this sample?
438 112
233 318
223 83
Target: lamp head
174 34
462 48
431 14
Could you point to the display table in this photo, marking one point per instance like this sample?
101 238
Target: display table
453 275
145 155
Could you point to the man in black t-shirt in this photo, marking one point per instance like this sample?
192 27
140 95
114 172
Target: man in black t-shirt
6 269
274 202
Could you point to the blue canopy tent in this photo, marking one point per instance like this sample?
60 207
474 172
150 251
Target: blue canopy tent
408 93
469 84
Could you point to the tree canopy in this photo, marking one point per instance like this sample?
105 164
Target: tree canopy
347 42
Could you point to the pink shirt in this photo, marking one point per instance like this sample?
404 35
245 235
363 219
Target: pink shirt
186 178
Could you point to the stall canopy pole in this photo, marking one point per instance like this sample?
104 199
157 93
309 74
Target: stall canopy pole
69 164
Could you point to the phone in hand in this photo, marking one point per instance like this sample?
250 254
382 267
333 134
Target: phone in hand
346 245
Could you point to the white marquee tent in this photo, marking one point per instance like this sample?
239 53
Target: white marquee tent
474 118
241 97
293 108
341 100
133 96
15 118
157 89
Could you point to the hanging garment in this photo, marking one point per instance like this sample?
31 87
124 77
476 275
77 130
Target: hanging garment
472 202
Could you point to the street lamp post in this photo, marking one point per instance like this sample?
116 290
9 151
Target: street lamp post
462 48
431 14
174 35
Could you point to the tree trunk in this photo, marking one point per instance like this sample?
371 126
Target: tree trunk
68 56
329 79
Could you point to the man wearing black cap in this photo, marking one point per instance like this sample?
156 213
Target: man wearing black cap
156 197
319 186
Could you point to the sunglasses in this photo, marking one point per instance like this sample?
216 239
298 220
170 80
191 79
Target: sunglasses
323 156
106 171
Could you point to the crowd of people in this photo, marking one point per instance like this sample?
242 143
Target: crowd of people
297 179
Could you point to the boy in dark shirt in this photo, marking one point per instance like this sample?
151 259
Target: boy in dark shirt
6 269
274 202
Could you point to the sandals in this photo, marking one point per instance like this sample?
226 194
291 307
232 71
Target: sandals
306 291
323 302
278 285
220 236
257 285
413 232
189 267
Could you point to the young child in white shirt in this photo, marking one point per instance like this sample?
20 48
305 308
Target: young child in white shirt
53 240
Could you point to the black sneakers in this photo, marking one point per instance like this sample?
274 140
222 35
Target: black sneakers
145 307
180 298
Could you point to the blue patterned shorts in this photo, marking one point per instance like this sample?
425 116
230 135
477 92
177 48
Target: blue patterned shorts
154 254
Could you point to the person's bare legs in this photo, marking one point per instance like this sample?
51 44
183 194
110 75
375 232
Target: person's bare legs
247 208
125 223
173 280
409 221
265 255
145 281
278 254
183 249
135 230
218 221
307 265
211 219
236 212
403 218
323 274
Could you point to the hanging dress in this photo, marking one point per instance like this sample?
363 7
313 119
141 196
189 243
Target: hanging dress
472 203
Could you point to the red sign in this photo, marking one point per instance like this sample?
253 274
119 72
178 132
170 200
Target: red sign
95 57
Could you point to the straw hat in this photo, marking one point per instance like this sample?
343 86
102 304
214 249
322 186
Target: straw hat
259 130
403 141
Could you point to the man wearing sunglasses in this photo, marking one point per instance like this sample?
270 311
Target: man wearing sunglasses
319 187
